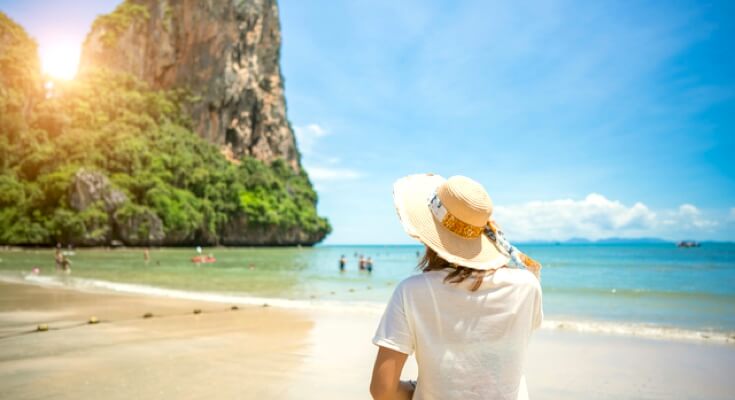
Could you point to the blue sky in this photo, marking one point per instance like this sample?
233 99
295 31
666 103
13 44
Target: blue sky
584 119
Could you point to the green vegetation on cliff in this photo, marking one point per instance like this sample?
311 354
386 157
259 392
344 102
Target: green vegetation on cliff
116 22
20 77
157 181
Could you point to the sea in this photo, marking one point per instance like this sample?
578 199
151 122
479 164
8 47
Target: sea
654 290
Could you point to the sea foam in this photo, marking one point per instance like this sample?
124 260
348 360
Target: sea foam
639 330
374 308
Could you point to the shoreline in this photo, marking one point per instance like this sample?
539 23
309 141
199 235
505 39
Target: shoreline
269 352
594 327
15 248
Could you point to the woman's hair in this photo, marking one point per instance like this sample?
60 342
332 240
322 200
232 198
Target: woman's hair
457 274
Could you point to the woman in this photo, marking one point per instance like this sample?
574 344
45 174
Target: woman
470 314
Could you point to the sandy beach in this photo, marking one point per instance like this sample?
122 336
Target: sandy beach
258 352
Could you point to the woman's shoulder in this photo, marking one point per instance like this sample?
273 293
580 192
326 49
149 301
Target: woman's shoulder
414 280
517 276
420 281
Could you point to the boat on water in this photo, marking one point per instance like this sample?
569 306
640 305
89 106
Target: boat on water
685 244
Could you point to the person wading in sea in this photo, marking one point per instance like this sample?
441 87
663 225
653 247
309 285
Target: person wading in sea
58 257
342 263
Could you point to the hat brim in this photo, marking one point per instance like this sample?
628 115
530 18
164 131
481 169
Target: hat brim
411 198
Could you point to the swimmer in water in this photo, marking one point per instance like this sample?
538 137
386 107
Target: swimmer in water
342 263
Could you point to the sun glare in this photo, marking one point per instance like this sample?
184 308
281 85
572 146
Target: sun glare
60 60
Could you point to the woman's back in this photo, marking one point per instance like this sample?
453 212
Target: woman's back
468 344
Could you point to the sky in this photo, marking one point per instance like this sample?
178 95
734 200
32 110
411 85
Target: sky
581 119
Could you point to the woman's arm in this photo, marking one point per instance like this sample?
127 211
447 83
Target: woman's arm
386 383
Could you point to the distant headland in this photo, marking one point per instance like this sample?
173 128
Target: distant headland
618 240
173 133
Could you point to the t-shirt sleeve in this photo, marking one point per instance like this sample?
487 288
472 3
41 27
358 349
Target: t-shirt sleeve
394 331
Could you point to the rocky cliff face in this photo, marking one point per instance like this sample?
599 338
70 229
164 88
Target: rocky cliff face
89 188
225 52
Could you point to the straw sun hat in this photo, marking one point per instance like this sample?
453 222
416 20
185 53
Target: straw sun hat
449 216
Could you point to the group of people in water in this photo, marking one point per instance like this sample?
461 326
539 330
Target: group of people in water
63 263
364 264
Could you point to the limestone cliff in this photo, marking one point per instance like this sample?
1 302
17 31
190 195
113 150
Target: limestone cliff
225 52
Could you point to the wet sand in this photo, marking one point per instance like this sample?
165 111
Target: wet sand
271 353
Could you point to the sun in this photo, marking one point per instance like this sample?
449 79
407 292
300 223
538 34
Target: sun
60 60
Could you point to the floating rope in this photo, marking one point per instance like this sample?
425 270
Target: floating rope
94 320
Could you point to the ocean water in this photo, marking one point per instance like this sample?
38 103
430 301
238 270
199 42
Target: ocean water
655 290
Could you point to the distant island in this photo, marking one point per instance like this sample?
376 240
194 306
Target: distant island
173 133
617 240
611 240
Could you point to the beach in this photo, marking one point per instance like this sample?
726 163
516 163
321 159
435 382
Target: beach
257 352
173 225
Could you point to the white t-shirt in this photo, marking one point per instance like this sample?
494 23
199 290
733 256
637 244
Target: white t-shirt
469 345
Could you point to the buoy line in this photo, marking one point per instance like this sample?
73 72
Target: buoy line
93 320
349 290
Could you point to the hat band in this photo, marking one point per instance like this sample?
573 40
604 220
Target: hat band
449 221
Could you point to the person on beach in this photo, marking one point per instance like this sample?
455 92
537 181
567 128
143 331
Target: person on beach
469 315
342 263
65 264
369 264
361 263
58 257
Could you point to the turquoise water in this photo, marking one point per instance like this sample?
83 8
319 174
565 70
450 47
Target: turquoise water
649 284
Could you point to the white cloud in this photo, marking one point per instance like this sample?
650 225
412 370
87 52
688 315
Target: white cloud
690 216
320 168
331 174
307 136
687 216
596 217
